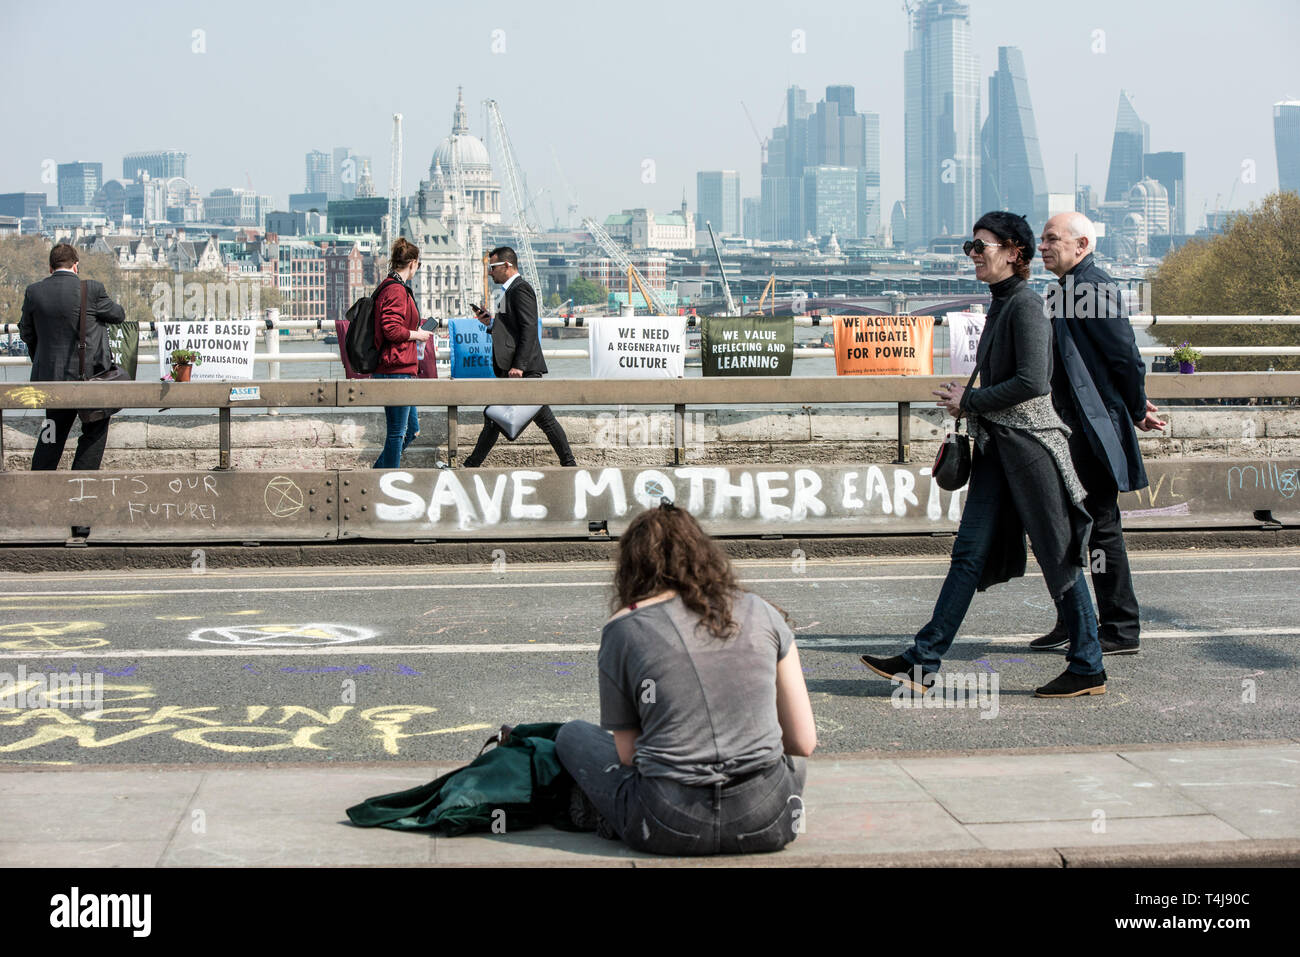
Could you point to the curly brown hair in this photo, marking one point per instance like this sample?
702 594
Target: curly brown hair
665 548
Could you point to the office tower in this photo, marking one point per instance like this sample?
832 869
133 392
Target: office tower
753 217
1168 169
78 183
831 201
898 223
941 101
1011 164
347 172
158 164
717 199
1132 141
320 174
830 133
1286 140
842 97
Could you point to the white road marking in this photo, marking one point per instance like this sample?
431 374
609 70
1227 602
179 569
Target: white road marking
1025 638
864 641
602 583
354 650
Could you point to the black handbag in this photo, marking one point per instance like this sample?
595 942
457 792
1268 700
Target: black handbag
114 372
951 469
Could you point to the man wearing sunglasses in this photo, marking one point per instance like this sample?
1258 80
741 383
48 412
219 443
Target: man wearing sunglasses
1099 390
516 352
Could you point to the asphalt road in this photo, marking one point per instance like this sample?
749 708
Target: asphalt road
373 664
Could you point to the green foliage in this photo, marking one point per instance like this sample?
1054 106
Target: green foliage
585 292
1253 268
186 357
553 300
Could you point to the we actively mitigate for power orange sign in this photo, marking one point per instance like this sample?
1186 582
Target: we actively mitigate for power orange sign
884 345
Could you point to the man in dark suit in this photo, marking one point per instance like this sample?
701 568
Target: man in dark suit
516 351
50 326
1098 388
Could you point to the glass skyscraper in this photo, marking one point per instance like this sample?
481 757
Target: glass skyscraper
717 200
1286 140
1169 170
941 98
159 164
78 183
1012 165
830 134
1132 141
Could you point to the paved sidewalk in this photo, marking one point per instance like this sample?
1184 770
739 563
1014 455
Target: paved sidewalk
1207 804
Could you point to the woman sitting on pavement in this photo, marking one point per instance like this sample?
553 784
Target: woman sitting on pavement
701 686
1022 478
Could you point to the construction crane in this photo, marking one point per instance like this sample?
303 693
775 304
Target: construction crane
518 197
615 252
395 183
726 286
568 188
467 239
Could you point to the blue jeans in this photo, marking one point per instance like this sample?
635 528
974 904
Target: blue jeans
403 426
762 812
987 494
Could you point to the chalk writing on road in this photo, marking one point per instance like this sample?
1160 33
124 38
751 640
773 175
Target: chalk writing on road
131 713
283 636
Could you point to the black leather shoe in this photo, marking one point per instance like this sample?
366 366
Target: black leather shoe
1058 637
1070 685
901 670
1121 646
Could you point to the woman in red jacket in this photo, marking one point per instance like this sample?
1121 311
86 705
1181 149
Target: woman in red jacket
397 330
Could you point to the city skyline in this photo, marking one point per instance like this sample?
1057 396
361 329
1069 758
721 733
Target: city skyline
604 138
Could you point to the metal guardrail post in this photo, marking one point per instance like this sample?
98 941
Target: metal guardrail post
679 434
453 427
904 431
2 440
223 439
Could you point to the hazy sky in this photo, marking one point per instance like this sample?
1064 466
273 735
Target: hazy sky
610 86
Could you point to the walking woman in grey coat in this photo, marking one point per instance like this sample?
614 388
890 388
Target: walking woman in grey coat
1022 480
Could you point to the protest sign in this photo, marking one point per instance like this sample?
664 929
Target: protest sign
225 345
750 345
638 347
471 350
964 331
124 340
884 345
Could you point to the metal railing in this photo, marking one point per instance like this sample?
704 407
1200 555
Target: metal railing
271 339
604 393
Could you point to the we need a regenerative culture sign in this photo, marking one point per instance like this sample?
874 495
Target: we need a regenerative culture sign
751 345
884 345
227 346
641 347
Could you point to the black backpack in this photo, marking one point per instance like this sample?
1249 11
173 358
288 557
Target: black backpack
362 352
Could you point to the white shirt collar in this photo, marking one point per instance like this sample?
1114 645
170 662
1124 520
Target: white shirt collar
506 285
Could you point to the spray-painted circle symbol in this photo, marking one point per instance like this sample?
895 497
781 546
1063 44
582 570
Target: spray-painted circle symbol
283 497
283 636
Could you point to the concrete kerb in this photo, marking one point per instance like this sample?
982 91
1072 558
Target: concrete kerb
41 558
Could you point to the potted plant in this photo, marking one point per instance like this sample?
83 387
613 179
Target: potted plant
183 362
1186 358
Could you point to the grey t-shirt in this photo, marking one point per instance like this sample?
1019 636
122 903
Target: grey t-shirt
706 707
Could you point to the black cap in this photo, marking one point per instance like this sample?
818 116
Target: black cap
1011 227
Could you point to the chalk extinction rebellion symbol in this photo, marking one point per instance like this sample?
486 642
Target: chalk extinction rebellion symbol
283 497
283 636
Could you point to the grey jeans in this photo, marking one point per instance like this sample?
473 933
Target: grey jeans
763 812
